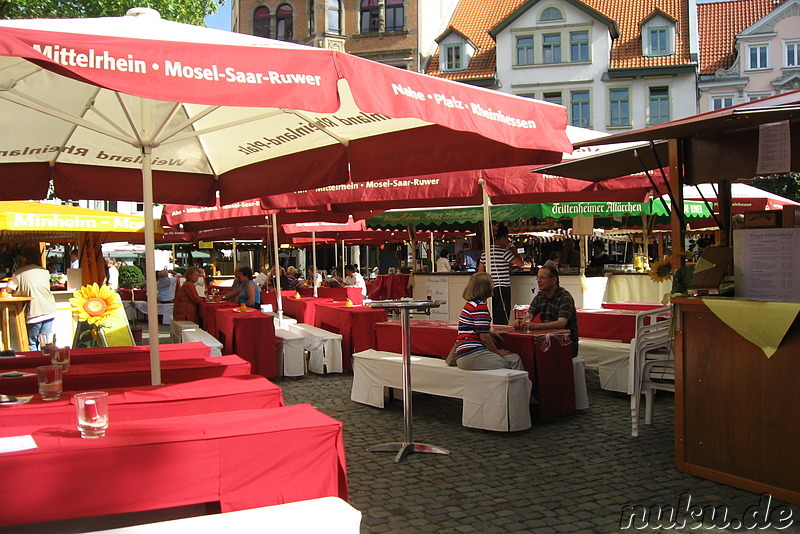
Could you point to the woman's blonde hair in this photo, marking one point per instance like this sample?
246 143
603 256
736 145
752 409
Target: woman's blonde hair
479 287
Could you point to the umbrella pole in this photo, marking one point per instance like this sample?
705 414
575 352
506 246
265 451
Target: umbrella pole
487 232
149 257
314 262
432 255
277 270
344 258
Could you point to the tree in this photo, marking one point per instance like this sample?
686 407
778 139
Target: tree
187 11
785 185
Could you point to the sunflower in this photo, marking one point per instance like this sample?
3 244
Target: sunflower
661 270
92 303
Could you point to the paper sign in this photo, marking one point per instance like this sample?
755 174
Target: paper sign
17 443
774 148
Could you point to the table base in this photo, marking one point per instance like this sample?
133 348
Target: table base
404 449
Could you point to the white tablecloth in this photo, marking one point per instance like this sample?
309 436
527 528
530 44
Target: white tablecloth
324 348
164 310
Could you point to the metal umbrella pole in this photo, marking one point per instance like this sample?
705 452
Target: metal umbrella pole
407 446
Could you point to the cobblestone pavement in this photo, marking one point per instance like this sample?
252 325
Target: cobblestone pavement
572 475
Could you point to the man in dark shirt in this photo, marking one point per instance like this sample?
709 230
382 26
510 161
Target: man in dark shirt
555 306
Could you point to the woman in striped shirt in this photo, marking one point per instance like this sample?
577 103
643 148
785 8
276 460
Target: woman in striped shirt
476 349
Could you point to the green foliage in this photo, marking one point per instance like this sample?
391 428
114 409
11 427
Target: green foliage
130 276
187 11
785 185
682 278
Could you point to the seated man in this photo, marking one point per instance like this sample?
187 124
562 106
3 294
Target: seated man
166 286
555 306
354 279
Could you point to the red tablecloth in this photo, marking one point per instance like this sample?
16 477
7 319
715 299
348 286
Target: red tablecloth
303 309
132 294
243 459
249 334
120 374
210 395
545 354
335 293
355 324
638 306
169 351
271 297
390 287
607 324
208 319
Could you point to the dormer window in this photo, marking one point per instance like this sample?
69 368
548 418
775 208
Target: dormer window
659 42
658 35
550 14
453 57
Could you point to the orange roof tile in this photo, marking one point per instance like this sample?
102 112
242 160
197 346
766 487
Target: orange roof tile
719 23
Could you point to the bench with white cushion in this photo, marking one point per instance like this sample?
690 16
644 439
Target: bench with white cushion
290 350
324 348
198 334
611 359
496 399
178 327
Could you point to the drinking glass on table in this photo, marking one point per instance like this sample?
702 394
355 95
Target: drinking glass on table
92 411
50 382
47 343
60 357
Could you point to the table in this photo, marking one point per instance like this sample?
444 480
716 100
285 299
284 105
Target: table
355 324
242 459
208 320
209 395
132 294
607 324
271 297
545 354
303 309
249 334
169 351
638 306
164 310
335 293
13 313
88 376
390 286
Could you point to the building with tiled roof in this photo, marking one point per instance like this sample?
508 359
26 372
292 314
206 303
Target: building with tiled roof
400 33
615 64
749 49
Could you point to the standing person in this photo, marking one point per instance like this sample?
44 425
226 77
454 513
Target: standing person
553 260
33 280
187 301
166 286
554 305
443 263
502 260
73 259
599 259
354 279
250 294
467 260
570 256
475 343
112 274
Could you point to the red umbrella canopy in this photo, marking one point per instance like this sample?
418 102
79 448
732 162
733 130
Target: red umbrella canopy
95 104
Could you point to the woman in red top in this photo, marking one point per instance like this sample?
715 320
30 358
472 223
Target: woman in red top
187 301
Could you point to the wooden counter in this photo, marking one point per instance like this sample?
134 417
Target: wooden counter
736 411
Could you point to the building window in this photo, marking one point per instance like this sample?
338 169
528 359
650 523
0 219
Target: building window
284 24
722 101
551 48
395 16
312 26
580 109
757 56
757 96
370 16
334 17
525 50
659 105
579 46
659 41
550 14
261 22
554 97
619 107
791 54
453 57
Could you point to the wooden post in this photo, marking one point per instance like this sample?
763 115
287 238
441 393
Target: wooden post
676 180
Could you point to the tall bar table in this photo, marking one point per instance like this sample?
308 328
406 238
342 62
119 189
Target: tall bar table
407 446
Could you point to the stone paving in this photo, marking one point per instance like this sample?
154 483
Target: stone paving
571 475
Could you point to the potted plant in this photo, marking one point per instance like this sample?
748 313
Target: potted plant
131 277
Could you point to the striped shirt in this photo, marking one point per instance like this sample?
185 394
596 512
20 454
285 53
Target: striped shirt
473 321
501 265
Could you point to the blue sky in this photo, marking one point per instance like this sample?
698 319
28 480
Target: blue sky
221 20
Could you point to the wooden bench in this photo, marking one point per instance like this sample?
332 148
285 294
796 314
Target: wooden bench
198 334
496 399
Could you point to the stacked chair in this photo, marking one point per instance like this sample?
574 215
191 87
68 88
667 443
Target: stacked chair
651 363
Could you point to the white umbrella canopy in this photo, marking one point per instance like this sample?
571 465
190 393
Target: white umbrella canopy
139 108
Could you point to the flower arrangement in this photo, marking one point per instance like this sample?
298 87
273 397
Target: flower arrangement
661 271
92 304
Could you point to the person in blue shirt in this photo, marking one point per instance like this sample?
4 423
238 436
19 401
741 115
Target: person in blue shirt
467 260
249 294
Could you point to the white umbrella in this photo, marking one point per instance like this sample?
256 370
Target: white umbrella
139 108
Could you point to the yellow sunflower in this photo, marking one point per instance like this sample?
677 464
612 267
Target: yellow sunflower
661 270
93 303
